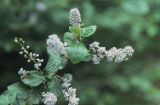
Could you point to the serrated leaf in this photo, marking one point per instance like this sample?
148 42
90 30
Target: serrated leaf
54 63
19 94
4 100
77 52
54 86
88 31
75 30
35 78
9 96
69 38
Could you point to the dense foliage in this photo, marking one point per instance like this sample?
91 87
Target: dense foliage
119 22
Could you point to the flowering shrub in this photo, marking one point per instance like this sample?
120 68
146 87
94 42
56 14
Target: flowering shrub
44 85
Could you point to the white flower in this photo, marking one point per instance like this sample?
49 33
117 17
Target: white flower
49 98
110 54
72 91
69 92
73 100
94 45
22 71
75 17
129 50
20 52
118 55
55 45
96 59
66 85
28 47
101 50
67 78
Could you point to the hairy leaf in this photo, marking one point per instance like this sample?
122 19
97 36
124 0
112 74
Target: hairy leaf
18 94
35 78
54 86
88 31
77 52
69 38
54 63
75 30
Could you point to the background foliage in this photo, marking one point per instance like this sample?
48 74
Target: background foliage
119 23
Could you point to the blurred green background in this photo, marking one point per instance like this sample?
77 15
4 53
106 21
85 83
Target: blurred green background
119 22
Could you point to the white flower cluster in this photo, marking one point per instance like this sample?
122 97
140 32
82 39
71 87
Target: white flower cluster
55 45
118 55
75 17
31 56
49 98
22 71
69 92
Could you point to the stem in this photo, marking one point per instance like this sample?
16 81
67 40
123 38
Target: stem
29 56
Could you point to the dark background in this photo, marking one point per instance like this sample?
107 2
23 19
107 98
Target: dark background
119 22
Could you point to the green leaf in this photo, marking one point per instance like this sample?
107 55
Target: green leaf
88 31
54 86
25 96
69 38
9 96
35 78
75 30
54 63
18 94
77 52
4 100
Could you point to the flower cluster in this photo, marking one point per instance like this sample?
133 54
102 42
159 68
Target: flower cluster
22 71
55 45
69 92
75 17
49 98
118 55
29 55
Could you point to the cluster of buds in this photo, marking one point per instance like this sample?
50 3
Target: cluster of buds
118 55
49 98
69 92
75 17
55 45
23 73
29 55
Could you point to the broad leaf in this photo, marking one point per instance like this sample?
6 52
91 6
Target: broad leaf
9 96
54 63
35 78
4 100
54 86
75 30
25 95
69 38
77 52
88 31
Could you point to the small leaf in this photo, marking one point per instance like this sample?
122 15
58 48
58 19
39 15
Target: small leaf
75 30
54 86
77 52
54 63
35 78
69 38
88 31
